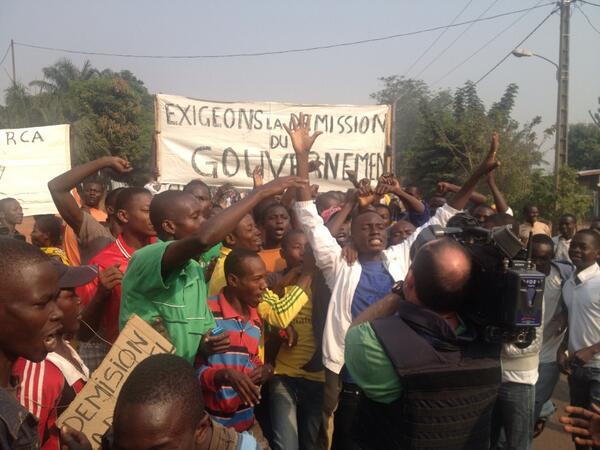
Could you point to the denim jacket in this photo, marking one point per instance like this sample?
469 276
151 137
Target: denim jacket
18 428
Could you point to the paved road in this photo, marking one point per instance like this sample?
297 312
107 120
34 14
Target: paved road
553 437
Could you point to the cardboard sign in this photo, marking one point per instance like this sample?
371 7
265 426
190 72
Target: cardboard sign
29 158
91 412
222 142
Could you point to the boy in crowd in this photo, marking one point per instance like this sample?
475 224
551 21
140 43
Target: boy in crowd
164 280
296 391
92 236
230 380
567 226
581 294
101 312
355 287
553 325
93 190
11 215
201 191
161 406
245 235
47 235
275 222
48 387
30 321
400 231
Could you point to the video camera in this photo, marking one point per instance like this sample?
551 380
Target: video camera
506 292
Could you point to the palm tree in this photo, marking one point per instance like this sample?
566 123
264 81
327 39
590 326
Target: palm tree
58 76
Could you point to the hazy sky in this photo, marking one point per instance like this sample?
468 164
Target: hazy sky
343 75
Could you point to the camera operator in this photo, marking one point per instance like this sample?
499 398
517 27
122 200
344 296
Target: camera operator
427 381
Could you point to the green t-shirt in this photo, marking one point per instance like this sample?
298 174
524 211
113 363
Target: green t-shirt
370 366
206 257
179 299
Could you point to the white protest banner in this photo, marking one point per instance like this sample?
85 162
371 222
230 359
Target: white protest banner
92 410
223 142
29 158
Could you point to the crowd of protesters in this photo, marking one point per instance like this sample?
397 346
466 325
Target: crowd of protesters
269 298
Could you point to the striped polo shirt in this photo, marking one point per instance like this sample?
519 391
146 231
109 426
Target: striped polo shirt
222 402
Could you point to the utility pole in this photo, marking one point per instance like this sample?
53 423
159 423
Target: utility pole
562 108
12 52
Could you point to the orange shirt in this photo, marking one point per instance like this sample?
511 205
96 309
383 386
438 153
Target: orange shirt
272 260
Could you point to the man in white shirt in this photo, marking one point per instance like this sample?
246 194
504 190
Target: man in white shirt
581 294
355 287
554 319
567 226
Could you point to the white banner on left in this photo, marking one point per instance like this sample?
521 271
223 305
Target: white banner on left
29 158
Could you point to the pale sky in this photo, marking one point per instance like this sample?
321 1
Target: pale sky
342 75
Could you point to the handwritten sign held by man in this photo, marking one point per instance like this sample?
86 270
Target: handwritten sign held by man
92 410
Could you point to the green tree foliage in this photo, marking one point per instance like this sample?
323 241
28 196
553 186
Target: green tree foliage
447 133
111 113
572 197
584 146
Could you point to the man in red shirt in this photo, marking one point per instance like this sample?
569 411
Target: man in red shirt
47 388
102 300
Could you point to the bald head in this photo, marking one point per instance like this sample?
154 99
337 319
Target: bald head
442 270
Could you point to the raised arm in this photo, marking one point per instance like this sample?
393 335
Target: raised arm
499 200
390 184
489 163
60 187
216 228
338 220
444 187
302 141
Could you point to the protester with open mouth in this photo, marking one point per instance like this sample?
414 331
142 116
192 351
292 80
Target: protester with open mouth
47 388
275 223
30 323
356 286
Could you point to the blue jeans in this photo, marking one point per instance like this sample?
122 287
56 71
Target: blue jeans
549 374
584 388
295 406
513 414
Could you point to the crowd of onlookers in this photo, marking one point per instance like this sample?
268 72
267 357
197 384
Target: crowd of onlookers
263 295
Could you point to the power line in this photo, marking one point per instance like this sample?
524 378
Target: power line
518 45
280 52
587 18
5 55
496 36
590 3
439 36
443 52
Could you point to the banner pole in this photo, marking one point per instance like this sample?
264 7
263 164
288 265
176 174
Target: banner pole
155 139
390 166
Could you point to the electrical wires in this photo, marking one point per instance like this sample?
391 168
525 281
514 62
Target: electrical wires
286 51
520 43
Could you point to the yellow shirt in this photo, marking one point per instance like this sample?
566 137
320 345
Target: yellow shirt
58 253
217 280
293 308
537 228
